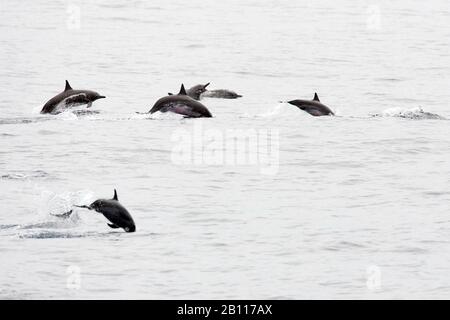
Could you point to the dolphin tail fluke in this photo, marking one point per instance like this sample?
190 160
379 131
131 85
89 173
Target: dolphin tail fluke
63 215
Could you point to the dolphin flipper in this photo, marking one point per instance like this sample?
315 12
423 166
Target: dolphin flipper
111 225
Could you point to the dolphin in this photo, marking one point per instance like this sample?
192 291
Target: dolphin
195 91
70 98
221 93
114 212
182 104
314 107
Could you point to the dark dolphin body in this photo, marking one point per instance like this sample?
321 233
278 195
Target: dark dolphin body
181 104
221 93
70 98
314 107
114 212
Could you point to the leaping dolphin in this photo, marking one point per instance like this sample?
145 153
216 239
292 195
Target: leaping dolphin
314 107
182 104
70 98
114 212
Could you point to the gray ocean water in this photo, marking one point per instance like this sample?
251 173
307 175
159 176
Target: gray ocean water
352 206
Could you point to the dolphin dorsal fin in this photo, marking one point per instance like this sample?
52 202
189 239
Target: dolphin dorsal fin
170 94
182 90
68 87
115 195
316 97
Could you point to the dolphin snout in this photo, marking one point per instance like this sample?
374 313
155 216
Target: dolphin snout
84 207
101 97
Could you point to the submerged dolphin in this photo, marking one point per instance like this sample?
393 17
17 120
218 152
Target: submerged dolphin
195 91
70 98
182 104
114 212
314 107
221 93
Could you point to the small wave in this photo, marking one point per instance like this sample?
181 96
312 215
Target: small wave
25 175
194 46
8 226
414 114
389 79
16 120
50 235
81 113
61 223
273 112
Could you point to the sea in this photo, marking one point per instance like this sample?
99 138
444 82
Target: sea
261 201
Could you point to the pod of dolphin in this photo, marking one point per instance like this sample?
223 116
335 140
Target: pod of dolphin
186 103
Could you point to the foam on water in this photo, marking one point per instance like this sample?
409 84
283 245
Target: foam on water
416 113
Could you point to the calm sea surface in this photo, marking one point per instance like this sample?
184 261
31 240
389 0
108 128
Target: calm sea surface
352 206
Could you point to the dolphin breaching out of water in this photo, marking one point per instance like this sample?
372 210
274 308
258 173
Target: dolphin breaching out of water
70 98
114 212
314 107
182 104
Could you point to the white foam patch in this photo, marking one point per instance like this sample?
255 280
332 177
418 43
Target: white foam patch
37 109
274 111
60 203
412 113
66 116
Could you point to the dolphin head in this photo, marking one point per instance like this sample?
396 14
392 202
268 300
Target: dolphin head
298 103
197 90
98 205
102 204
92 95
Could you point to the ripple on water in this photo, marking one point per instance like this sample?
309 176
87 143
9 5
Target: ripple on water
50 235
413 114
35 174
